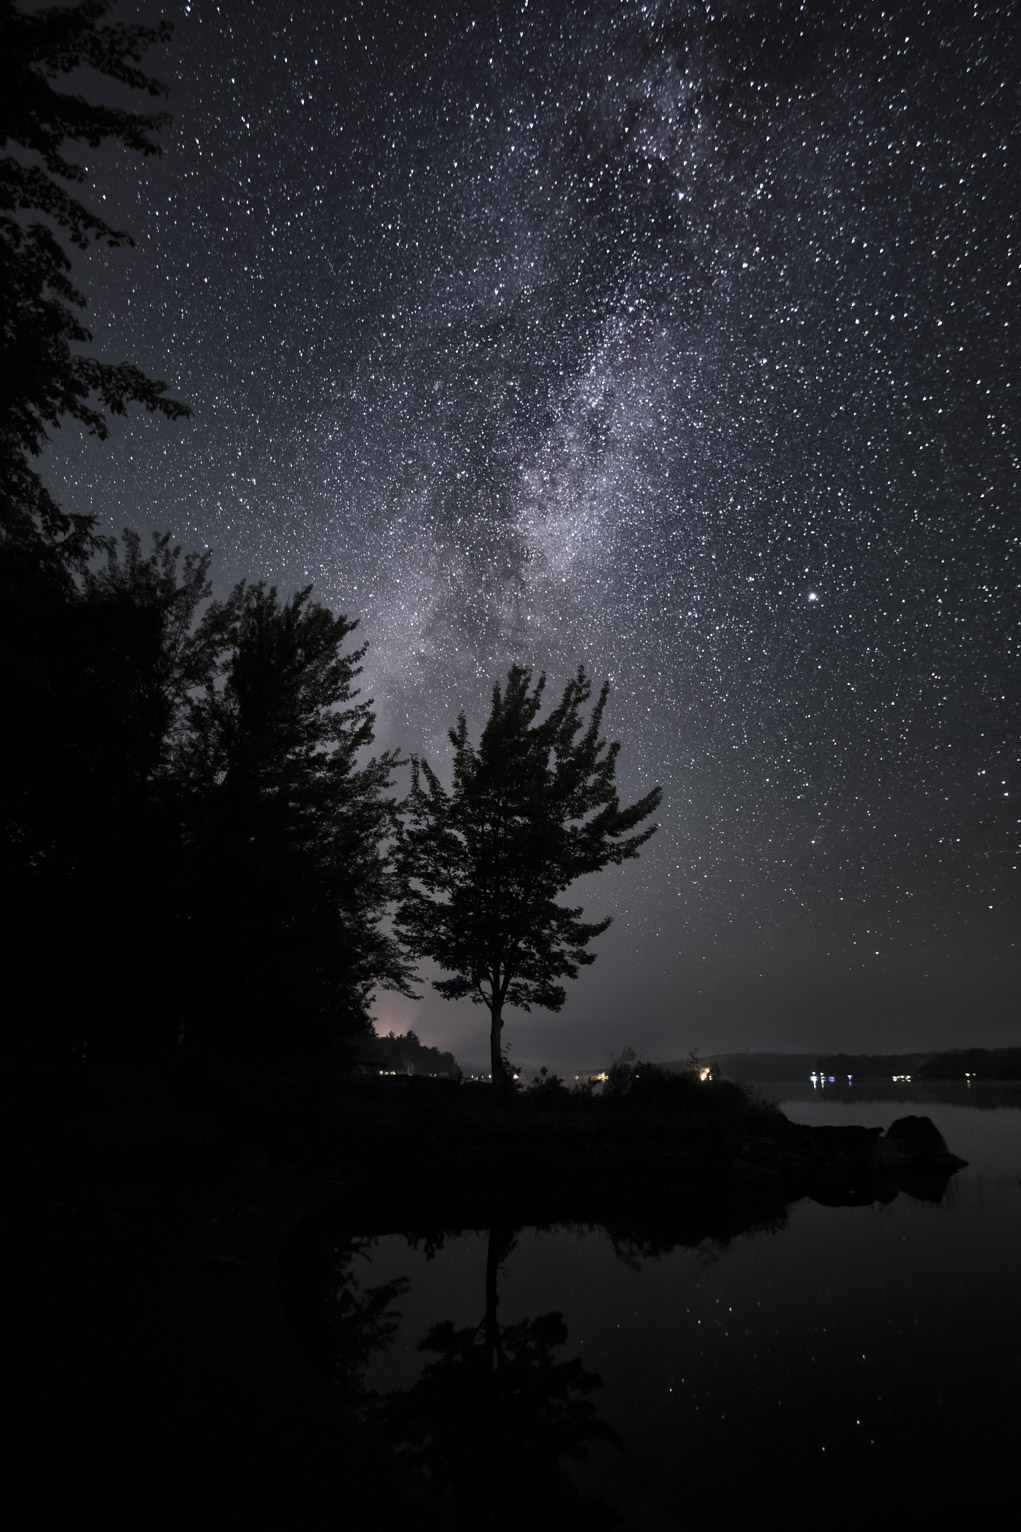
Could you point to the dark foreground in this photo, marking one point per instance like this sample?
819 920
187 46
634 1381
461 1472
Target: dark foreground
162 1244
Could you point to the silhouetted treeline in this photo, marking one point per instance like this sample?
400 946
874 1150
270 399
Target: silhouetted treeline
982 1063
952 1064
869 1066
404 1054
194 835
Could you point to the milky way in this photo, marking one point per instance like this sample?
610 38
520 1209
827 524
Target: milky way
670 339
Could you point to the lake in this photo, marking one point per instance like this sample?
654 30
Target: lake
864 1360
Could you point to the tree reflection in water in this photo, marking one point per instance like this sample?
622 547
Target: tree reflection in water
486 1431
359 1320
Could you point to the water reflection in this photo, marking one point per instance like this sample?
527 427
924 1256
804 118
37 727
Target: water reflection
632 1372
360 1320
483 1435
496 1413
980 1095
490 1414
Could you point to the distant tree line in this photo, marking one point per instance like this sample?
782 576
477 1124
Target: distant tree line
404 1054
951 1064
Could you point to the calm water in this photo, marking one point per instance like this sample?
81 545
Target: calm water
848 1358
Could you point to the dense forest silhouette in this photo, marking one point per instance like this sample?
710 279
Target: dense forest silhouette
189 806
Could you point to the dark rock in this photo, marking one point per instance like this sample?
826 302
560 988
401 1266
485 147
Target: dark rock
928 1183
850 1166
916 1141
918 1136
863 1193
846 1146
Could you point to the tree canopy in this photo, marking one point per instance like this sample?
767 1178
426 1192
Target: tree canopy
99 680
193 806
531 809
287 827
45 376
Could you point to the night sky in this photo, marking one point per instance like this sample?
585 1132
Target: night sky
677 340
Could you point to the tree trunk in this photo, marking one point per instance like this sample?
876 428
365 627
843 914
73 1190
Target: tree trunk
495 1050
497 1245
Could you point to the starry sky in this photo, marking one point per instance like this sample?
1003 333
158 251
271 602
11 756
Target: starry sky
678 340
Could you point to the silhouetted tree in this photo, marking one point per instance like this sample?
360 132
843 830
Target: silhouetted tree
44 375
287 825
529 811
195 806
190 647
90 804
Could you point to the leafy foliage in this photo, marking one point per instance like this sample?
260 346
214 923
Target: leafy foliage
191 805
621 1073
546 1089
90 836
44 375
532 809
287 829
